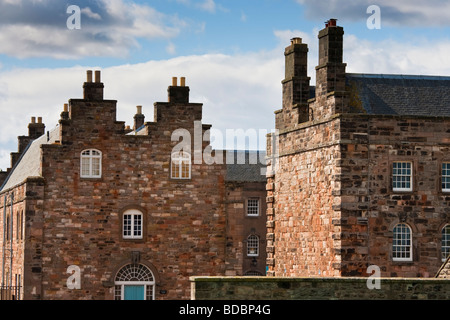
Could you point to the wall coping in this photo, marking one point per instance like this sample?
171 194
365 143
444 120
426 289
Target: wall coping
309 279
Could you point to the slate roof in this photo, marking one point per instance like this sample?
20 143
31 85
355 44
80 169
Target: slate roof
246 166
29 163
389 94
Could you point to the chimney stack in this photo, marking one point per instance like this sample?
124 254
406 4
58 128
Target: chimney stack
35 130
331 70
65 113
178 94
139 118
295 86
93 90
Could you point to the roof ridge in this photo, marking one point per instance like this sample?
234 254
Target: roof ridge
397 76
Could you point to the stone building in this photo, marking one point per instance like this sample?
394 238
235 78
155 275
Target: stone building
246 235
359 175
93 209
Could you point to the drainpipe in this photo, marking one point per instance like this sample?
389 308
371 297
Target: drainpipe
11 242
4 241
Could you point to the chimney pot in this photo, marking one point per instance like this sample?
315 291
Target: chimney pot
139 110
174 81
97 76
66 107
40 120
183 81
89 76
296 40
33 119
331 23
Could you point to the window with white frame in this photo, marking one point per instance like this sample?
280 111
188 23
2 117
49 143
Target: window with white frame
181 165
91 164
445 242
402 176
402 243
252 245
446 177
132 225
253 207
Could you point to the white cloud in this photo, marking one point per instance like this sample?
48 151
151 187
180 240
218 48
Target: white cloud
171 49
237 91
388 56
108 28
419 57
400 12
87 11
208 5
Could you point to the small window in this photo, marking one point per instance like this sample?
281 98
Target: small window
402 243
8 228
446 177
252 246
22 225
402 176
132 226
253 207
18 225
445 242
91 164
181 165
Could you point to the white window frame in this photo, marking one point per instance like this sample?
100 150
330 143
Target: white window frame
133 219
88 157
252 208
148 284
401 173
445 177
180 160
402 239
445 242
252 243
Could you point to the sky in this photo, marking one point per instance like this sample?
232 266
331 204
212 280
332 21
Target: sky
230 51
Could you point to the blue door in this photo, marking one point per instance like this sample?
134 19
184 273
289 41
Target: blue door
134 293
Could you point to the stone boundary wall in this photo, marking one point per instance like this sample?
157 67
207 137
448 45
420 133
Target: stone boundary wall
349 288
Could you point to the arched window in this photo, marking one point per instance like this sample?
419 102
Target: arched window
134 282
132 224
402 243
252 246
91 164
445 242
181 165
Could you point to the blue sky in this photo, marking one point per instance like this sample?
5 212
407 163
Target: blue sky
230 51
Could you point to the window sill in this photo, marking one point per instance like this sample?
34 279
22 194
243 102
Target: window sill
402 262
133 240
